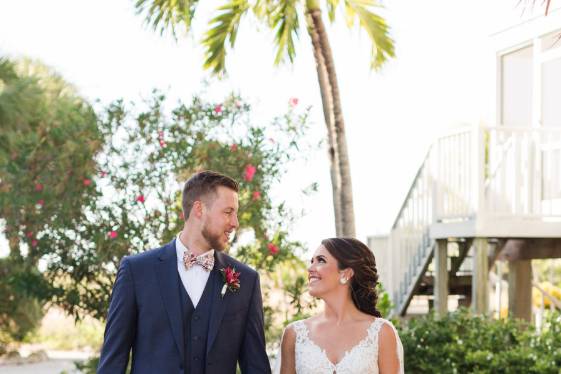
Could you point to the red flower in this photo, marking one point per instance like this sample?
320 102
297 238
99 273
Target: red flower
256 195
218 109
29 234
249 172
231 280
162 143
112 234
273 248
293 101
40 202
87 182
34 243
140 198
38 187
234 147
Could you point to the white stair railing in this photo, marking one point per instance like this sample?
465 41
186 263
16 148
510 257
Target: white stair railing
472 173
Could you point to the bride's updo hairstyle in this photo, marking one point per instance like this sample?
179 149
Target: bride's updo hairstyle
352 253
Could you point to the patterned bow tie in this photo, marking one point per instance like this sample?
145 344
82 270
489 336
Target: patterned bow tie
205 260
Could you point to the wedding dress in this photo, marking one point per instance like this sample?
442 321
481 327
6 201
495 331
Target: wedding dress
361 359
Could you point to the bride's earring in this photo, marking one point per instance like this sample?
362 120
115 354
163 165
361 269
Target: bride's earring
343 280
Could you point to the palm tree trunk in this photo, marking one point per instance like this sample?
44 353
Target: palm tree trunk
338 153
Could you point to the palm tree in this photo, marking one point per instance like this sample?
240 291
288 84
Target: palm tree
284 17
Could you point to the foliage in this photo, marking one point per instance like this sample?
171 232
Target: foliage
20 311
48 142
283 18
466 343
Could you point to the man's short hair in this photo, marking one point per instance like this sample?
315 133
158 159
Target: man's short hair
202 184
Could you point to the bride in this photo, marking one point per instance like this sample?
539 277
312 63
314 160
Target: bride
349 336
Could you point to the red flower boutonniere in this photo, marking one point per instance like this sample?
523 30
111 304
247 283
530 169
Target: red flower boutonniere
231 280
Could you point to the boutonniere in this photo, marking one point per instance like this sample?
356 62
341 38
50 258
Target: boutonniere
231 280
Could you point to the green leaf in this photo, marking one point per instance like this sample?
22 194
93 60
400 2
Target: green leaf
284 20
167 14
331 7
375 26
223 29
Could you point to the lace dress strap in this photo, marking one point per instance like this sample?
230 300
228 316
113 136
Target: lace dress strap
374 331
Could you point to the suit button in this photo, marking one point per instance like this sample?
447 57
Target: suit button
196 338
196 318
196 358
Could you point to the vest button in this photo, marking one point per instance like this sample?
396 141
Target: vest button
196 358
196 338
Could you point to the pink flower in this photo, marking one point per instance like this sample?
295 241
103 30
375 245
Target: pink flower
181 215
273 248
140 198
249 172
238 104
234 147
160 134
293 101
256 195
38 187
34 243
103 173
87 182
29 234
162 144
218 109
112 234
40 202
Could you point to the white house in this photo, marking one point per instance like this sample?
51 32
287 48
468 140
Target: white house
489 192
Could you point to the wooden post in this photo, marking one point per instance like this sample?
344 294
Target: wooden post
480 278
520 289
441 277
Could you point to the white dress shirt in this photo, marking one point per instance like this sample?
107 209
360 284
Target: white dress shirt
194 280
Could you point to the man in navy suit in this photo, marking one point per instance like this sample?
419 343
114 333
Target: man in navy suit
172 305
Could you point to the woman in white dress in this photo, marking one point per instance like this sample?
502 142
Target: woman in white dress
349 336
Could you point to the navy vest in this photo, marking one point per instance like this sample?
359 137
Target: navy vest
195 325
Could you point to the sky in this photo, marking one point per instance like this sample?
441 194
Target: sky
442 77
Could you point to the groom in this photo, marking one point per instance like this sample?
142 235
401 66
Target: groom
180 307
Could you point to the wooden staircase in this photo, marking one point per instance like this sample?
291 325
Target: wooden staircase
477 188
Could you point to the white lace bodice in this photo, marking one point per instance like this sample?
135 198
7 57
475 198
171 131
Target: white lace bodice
362 358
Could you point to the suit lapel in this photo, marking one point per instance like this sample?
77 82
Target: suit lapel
168 279
219 303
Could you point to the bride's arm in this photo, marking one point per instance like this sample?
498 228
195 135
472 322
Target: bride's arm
287 351
388 351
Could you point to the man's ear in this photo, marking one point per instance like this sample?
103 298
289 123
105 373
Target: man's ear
198 208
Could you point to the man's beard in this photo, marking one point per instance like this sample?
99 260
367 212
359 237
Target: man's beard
212 240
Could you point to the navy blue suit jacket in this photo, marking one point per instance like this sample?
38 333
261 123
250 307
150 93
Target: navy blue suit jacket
145 316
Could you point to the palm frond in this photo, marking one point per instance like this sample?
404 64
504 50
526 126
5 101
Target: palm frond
165 15
223 28
375 26
284 20
331 7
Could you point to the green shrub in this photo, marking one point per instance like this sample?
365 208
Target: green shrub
466 343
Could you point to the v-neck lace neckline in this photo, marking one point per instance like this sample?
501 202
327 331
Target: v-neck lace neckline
347 352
